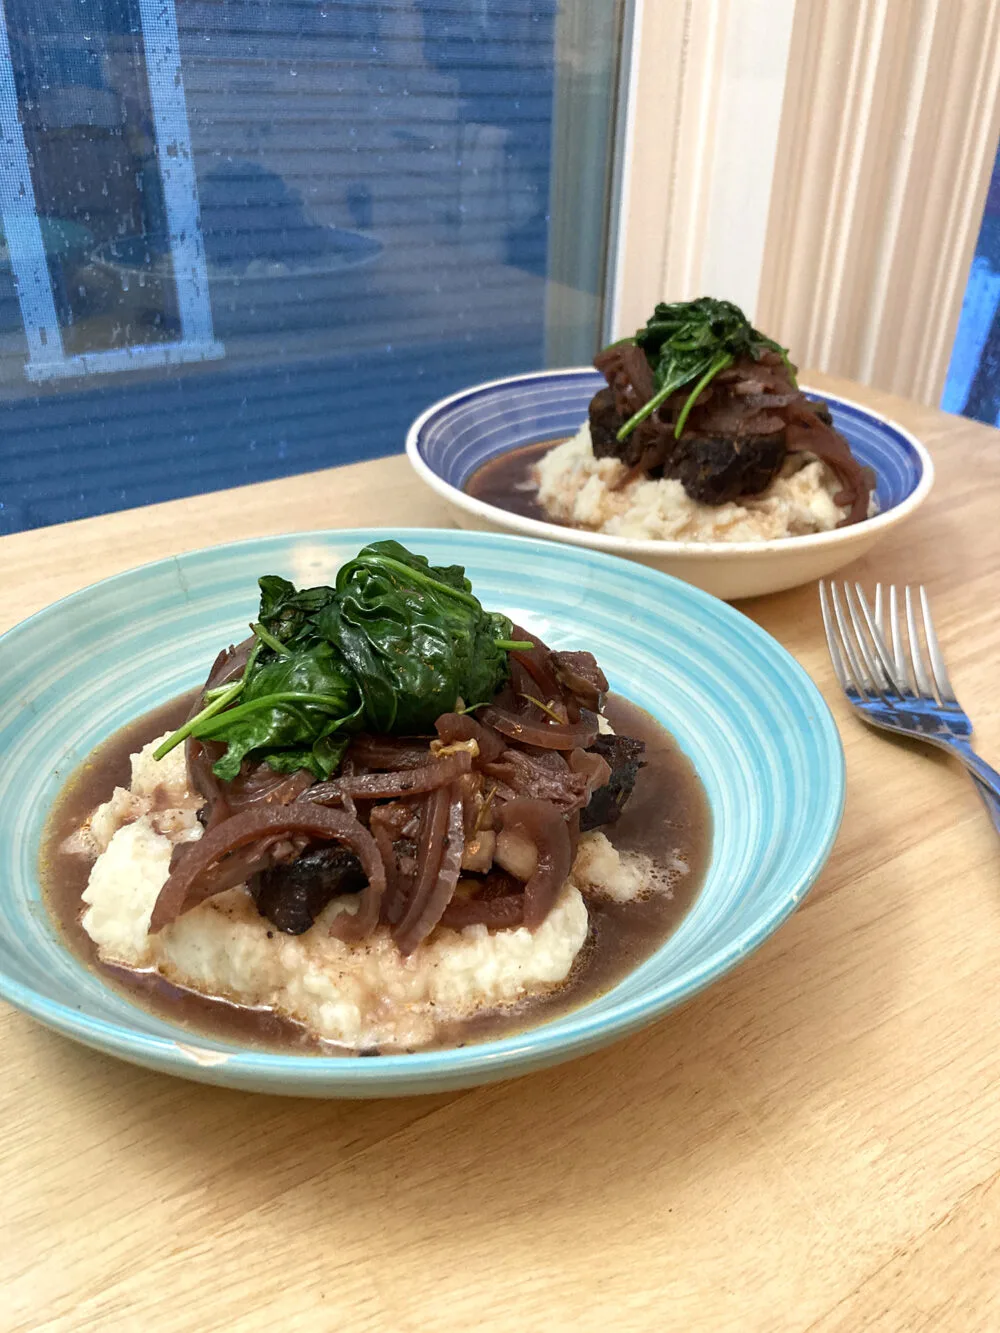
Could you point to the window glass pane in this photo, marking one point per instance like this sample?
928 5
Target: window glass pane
973 383
83 95
246 238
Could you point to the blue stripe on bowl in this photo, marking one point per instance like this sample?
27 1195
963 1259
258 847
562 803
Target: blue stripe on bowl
472 427
755 727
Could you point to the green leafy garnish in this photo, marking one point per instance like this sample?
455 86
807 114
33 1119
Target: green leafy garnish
289 702
215 702
393 645
415 637
268 639
690 342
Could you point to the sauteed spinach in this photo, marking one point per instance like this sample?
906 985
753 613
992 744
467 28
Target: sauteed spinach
690 342
391 646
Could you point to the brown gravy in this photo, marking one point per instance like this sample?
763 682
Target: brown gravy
667 816
508 481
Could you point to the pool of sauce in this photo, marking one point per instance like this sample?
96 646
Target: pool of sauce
508 481
667 818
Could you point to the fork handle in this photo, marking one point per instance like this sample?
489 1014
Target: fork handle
991 802
987 778
979 768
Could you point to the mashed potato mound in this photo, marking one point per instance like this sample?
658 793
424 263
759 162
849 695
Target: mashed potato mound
601 871
575 487
159 789
359 995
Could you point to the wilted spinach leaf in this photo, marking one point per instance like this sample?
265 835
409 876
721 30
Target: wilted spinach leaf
288 612
289 706
690 342
393 645
415 637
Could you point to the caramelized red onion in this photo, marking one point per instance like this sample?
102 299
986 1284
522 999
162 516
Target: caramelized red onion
392 839
537 662
638 370
550 736
387 851
541 824
259 785
524 695
379 786
582 677
200 756
236 868
207 858
387 752
262 786
430 844
749 398
454 728
442 842
807 434
229 665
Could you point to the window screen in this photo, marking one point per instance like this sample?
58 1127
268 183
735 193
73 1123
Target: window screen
246 238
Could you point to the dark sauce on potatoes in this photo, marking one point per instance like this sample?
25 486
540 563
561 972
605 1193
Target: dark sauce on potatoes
667 818
508 481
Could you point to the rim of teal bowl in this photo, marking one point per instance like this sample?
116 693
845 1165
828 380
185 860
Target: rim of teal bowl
459 1064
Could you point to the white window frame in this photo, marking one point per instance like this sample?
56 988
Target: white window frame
823 165
47 359
695 167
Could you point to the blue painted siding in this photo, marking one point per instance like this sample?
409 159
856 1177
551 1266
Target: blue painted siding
383 169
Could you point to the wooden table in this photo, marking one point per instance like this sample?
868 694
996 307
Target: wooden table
812 1144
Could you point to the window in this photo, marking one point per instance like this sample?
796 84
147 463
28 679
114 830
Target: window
100 209
246 238
973 384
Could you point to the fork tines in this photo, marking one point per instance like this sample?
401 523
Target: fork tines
875 653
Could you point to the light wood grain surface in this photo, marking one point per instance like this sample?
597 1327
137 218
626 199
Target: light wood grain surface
814 1143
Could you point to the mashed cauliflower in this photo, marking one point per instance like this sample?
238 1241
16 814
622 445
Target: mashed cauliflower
575 487
360 995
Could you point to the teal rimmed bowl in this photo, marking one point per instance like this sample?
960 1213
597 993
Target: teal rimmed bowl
757 730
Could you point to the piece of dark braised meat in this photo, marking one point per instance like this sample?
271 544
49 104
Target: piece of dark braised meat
716 470
606 420
292 895
713 469
623 756
734 439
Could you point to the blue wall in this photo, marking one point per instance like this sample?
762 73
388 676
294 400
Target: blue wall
385 167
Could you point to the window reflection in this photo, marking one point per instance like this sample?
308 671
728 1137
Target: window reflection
973 384
83 98
372 220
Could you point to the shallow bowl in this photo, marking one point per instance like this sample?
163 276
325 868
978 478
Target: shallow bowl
755 727
457 435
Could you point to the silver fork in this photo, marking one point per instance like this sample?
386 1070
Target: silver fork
884 675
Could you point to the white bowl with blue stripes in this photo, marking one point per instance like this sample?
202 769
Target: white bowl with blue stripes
754 725
457 435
